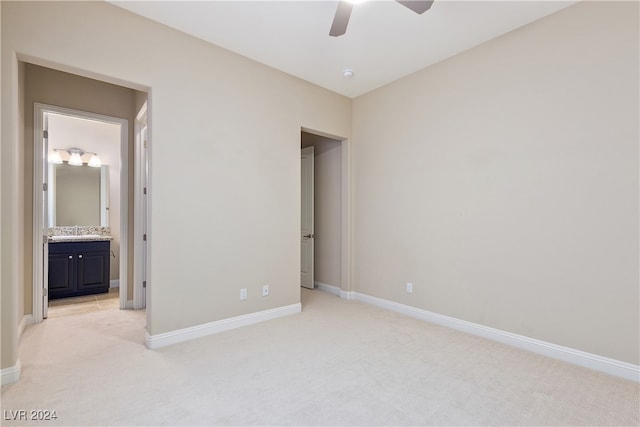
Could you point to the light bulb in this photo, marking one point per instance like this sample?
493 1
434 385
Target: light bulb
75 159
55 158
94 161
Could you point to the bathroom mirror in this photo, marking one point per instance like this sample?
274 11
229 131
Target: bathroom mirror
78 195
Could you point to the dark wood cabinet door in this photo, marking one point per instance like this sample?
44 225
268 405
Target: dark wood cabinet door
62 269
93 270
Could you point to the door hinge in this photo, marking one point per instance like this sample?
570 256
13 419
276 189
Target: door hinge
45 292
144 283
45 186
144 191
45 134
144 237
45 239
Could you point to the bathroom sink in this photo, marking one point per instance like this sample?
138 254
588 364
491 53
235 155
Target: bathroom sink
82 237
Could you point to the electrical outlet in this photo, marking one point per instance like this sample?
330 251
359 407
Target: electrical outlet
265 290
409 287
243 294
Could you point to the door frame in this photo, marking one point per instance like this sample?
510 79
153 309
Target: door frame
346 290
40 222
141 210
307 194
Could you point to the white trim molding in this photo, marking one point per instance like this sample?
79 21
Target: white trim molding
168 338
596 362
11 374
114 283
141 193
336 290
332 289
348 295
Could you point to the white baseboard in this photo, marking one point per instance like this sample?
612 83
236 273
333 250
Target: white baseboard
332 289
115 283
27 319
11 375
186 334
607 365
347 295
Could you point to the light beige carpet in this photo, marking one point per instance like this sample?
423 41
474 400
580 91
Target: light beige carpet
336 363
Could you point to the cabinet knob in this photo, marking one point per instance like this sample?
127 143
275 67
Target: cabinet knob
79 256
70 256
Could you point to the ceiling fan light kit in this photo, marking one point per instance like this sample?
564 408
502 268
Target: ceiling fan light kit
343 13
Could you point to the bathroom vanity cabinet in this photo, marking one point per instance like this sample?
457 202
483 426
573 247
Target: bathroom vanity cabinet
78 268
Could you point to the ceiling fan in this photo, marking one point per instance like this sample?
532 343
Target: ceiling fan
343 13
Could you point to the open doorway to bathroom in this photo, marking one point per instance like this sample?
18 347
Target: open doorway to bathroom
53 101
79 213
81 209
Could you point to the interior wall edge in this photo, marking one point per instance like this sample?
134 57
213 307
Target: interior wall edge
27 320
11 262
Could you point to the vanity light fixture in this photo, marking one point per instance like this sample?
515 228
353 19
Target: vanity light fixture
75 157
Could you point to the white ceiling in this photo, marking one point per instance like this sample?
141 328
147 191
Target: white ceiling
384 41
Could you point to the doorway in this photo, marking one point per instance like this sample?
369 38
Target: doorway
64 199
329 231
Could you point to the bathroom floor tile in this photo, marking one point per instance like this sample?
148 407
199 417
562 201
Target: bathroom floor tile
71 309
112 294
84 304
108 304
69 301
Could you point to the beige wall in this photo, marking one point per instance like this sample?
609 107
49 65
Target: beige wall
327 207
503 183
225 167
48 86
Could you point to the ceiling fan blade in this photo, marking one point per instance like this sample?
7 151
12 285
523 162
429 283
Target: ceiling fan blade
340 21
418 6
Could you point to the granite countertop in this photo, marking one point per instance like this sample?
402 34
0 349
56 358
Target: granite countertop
78 233
85 238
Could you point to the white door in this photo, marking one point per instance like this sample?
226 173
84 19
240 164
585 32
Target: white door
306 230
45 215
